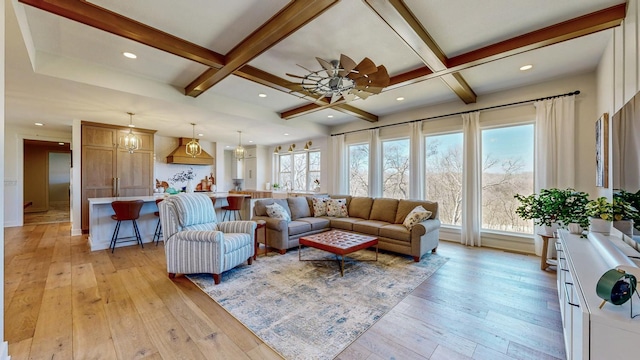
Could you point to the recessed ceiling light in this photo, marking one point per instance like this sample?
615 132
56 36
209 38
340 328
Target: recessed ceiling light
330 116
39 124
129 55
227 146
526 67
60 143
262 95
201 135
400 98
131 125
286 134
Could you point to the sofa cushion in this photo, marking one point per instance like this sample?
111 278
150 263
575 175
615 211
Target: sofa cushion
346 197
278 212
299 227
405 207
360 207
395 231
418 214
193 209
299 207
370 227
344 223
384 209
319 206
337 208
317 223
260 206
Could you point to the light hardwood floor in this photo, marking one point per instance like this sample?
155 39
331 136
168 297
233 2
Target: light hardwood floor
63 301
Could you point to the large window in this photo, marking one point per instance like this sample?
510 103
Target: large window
395 169
359 170
443 175
507 169
298 171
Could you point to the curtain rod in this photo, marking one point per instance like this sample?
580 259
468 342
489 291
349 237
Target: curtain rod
463 112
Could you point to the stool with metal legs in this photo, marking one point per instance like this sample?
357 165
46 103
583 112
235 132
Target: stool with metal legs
158 233
235 205
126 210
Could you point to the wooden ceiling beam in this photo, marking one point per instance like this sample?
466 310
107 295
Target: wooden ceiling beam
284 23
100 18
402 21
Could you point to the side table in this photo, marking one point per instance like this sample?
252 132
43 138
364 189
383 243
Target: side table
544 261
261 224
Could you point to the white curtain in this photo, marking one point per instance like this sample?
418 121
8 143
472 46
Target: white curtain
339 162
555 147
417 176
471 180
375 164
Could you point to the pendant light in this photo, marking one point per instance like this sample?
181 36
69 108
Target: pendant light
131 142
239 150
193 147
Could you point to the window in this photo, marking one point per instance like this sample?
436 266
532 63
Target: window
507 169
443 175
359 170
299 170
395 165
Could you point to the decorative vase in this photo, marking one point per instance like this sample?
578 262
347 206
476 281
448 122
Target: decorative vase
575 228
189 188
600 226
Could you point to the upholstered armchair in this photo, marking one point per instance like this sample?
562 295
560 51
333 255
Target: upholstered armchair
196 243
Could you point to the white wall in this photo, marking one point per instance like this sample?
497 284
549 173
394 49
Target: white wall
618 75
3 345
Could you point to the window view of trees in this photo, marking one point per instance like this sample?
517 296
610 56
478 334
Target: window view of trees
359 170
443 177
395 169
507 169
298 171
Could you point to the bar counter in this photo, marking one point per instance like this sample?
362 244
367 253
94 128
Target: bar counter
101 225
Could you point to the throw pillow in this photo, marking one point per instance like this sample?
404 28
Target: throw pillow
337 208
278 212
319 206
418 214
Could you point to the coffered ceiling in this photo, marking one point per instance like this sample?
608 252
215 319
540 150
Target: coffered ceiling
207 61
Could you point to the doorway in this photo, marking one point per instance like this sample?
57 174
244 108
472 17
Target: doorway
46 182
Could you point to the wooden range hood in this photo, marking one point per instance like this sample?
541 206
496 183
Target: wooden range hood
179 155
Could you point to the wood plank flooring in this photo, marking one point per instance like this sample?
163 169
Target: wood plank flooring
63 301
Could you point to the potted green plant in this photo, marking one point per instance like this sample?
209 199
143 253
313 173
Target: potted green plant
624 213
573 212
552 207
600 212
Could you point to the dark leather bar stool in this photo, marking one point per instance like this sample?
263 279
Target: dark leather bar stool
235 205
158 233
126 210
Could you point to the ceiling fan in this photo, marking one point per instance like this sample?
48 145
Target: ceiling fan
344 79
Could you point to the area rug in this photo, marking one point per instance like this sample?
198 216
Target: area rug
305 309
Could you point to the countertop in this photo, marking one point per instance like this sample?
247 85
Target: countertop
152 198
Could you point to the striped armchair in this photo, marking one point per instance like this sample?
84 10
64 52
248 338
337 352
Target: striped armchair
196 243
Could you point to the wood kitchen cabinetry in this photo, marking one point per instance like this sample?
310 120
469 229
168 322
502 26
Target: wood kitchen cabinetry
110 171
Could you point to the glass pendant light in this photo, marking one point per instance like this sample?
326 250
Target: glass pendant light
193 147
131 142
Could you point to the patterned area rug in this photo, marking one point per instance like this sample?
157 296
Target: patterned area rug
304 309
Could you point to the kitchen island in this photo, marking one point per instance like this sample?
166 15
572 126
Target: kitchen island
101 225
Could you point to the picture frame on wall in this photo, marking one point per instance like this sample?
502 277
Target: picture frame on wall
602 151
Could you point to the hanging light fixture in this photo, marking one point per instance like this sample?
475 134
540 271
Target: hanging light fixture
307 145
131 142
239 150
291 147
277 149
193 147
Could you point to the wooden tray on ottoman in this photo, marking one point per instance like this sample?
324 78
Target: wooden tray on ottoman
339 243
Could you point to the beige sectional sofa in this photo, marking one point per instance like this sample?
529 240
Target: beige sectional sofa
380 217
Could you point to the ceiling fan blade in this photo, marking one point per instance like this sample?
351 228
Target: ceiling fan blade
327 66
335 97
374 89
366 67
347 64
349 96
295 76
363 94
380 77
362 82
309 71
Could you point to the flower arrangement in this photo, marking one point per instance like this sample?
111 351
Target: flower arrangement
600 208
183 176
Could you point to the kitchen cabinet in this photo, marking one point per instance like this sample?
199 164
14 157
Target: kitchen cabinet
108 170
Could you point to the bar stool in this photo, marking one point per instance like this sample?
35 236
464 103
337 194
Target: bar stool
158 232
126 210
235 205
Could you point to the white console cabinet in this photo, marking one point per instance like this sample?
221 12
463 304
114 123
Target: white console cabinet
590 332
